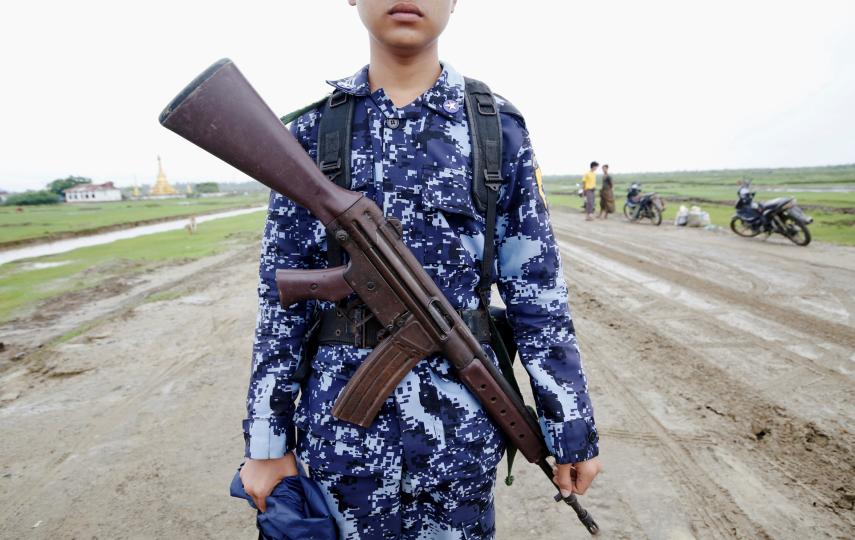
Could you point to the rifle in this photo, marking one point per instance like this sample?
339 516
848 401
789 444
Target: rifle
222 113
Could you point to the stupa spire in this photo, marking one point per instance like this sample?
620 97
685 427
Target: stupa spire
161 185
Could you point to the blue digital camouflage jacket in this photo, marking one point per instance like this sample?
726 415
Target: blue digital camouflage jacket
419 171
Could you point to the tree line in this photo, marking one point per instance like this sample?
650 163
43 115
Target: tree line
55 191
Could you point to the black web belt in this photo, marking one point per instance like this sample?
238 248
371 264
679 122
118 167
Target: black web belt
359 328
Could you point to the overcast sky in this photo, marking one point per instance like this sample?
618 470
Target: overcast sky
644 85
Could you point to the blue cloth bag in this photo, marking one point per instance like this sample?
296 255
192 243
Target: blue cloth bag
296 510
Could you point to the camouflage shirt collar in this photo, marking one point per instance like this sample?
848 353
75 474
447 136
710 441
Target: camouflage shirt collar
356 84
445 96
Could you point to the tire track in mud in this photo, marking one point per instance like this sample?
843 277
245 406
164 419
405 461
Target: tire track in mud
715 514
663 308
836 333
848 302
92 435
669 254
646 436
737 411
98 432
746 421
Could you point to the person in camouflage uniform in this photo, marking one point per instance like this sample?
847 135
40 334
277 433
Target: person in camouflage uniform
426 466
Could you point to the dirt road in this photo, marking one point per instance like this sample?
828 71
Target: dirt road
720 369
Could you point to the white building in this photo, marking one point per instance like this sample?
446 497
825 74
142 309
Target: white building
93 193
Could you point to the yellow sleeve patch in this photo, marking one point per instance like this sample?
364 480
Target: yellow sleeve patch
539 178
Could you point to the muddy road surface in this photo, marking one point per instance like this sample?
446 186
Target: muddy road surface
721 371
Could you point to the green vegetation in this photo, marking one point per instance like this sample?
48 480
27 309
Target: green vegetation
33 198
96 269
59 185
78 331
826 193
55 220
207 187
171 294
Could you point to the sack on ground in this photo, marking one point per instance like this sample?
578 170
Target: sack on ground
682 215
697 217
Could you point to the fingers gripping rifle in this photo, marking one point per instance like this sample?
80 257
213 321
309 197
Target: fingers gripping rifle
223 114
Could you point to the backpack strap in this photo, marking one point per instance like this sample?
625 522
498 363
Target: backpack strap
485 128
486 131
334 152
506 107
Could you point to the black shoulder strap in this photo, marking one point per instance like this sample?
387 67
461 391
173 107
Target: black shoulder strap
485 127
334 152
508 108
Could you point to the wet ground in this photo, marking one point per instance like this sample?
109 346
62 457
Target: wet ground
720 370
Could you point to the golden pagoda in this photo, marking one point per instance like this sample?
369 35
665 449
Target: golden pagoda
189 189
136 192
161 186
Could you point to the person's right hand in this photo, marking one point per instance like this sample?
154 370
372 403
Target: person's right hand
260 476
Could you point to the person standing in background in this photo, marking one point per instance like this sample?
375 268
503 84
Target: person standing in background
589 186
607 195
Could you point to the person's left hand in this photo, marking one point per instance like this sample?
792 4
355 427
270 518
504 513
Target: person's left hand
576 477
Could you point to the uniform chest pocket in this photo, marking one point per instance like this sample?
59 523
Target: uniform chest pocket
454 235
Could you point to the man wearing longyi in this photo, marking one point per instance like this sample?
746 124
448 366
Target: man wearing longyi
426 466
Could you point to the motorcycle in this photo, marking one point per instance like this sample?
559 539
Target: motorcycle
647 206
780 215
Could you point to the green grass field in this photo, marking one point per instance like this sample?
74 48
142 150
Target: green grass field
25 282
55 219
826 193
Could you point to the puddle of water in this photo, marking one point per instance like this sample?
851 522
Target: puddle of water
42 265
62 246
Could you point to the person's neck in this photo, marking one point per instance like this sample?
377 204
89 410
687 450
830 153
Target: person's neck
403 77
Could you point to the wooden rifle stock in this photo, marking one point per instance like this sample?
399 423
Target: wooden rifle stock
224 115
221 112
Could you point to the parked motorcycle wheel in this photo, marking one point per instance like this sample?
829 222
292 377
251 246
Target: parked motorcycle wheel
627 212
655 215
742 229
797 232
